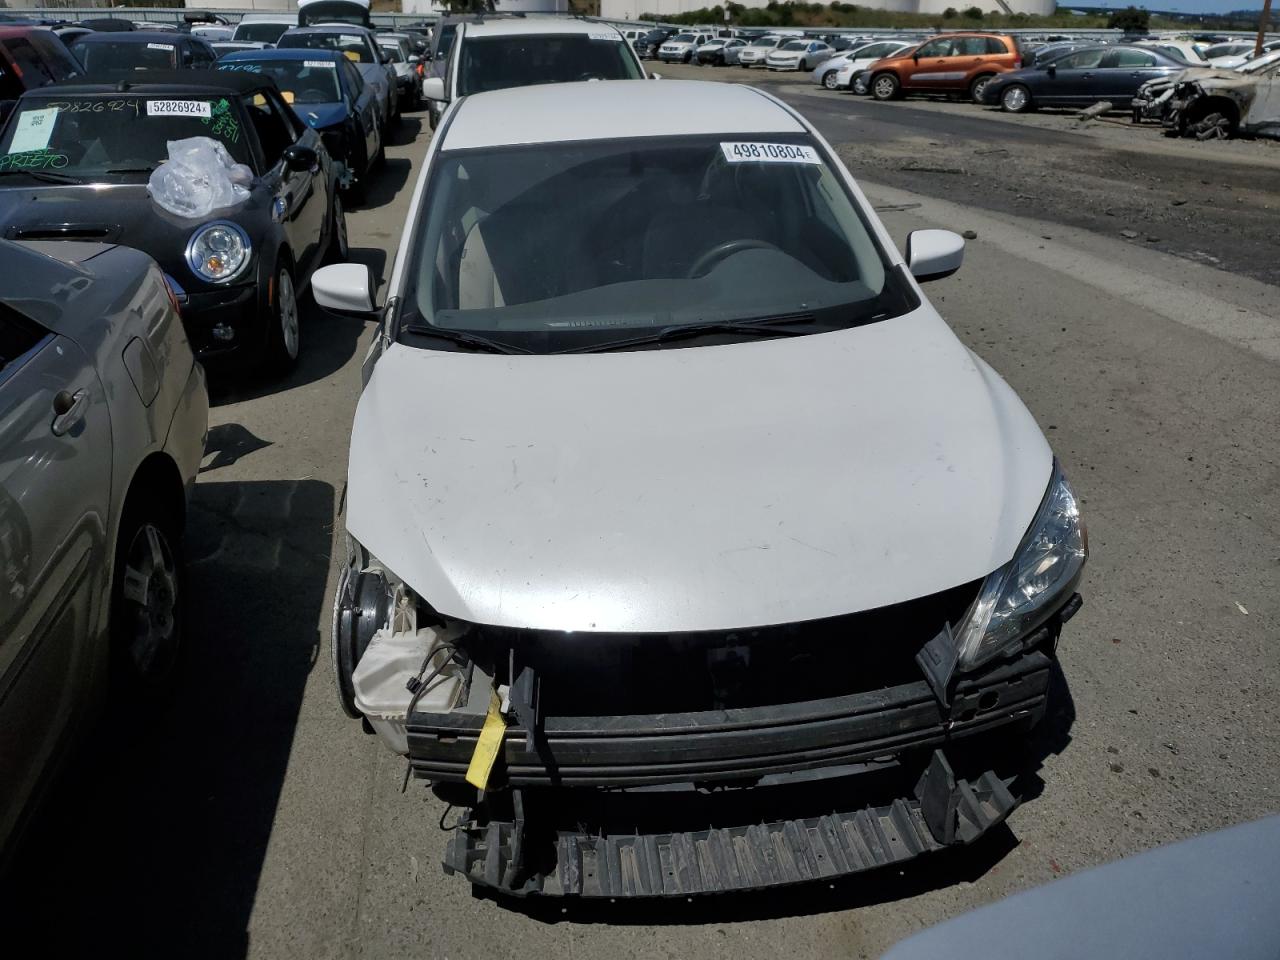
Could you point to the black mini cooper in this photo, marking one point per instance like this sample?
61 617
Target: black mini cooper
75 159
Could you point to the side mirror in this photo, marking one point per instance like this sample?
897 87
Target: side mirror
931 254
344 288
297 157
433 88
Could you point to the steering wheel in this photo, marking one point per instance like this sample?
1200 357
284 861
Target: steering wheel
723 251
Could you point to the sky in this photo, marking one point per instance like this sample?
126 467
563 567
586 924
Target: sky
1182 6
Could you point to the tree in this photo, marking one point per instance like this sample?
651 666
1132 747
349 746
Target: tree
973 13
1130 20
950 13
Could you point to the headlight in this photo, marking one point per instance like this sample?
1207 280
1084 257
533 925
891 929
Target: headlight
219 251
1015 599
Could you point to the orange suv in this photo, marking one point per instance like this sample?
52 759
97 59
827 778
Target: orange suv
950 63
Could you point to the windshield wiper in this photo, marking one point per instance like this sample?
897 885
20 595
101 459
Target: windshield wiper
131 170
43 175
788 325
462 338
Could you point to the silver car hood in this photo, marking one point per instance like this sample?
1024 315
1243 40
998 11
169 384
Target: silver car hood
699 488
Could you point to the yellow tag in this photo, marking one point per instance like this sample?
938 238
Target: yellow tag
288 96
488 745
259 100
351 55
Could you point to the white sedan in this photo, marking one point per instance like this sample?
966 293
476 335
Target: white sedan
798 55
666 473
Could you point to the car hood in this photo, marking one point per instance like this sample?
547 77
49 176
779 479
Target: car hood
693 489
113 213
321 115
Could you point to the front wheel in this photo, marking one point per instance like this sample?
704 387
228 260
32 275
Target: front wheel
977 87
885 87
284 336
688 58
830 81
1015 99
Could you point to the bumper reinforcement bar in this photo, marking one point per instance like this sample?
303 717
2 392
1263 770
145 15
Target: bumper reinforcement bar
943 812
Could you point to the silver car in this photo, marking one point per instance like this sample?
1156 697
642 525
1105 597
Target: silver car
103 417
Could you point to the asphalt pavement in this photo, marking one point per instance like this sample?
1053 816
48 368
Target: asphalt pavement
250 818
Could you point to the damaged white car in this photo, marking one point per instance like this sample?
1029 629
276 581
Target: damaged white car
690 550
1209 103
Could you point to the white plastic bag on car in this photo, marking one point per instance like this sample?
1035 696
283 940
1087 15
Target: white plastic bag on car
199 177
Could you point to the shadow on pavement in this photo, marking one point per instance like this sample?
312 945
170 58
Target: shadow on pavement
385 185
406 131
152 842
328 342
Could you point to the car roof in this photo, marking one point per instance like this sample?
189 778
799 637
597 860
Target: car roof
509 26
134 36
269 18
154 82
613 109
286 53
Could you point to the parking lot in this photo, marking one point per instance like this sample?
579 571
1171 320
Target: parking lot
1121 283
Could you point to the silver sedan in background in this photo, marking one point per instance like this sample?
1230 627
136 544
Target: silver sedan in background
103 418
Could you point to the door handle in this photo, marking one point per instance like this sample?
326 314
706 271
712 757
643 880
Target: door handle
68 411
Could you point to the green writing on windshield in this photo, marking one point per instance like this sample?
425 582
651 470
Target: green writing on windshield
33 160
223 122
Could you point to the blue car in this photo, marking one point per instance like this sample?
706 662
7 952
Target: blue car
328 94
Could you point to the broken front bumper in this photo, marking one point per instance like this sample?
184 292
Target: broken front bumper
737 744
797 791
943 811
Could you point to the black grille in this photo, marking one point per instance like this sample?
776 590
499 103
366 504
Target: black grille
612 674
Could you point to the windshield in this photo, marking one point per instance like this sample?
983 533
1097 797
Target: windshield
88 136
793 45
353 45
124 55
259 32
682 38
392 51
559 246
496 63
310 81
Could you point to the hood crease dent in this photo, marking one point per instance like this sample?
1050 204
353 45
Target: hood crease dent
692 489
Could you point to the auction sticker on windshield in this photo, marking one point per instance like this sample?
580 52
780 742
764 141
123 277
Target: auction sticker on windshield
34 128
178 108
605 36
769 153
160 46
320 64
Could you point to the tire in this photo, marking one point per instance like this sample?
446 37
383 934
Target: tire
339 245
1015 98
284 335
885 86
146 600
979 84
829 80
688 57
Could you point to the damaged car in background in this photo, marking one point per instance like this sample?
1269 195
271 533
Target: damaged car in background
1208 103
756 584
